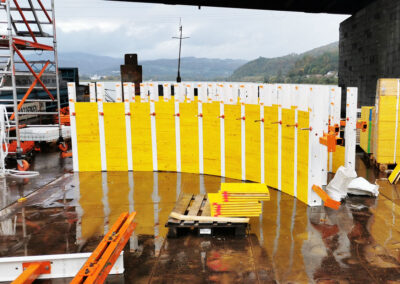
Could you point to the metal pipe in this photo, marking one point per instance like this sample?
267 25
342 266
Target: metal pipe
56 64
14 84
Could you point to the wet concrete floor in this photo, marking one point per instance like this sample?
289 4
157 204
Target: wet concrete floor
288 243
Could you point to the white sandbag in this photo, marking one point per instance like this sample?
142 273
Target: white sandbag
360 186
337 189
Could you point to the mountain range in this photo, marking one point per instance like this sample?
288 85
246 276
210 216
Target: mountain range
319 65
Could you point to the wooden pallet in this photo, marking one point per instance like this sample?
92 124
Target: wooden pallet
195 206
382 167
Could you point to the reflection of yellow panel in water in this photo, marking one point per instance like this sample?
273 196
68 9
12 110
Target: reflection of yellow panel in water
88 137
91 201
189 137
288 118
211 139
167 193
233 152
141 137
165 128
271 145
253 154
143 202
302 156
118 194
190 183
115 136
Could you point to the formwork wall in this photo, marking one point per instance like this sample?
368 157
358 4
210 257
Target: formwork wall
261 133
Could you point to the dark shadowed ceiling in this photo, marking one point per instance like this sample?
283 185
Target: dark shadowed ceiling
310 6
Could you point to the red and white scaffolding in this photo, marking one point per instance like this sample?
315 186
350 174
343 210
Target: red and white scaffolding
28 30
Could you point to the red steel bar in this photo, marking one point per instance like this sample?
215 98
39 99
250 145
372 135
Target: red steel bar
30 89
32 71
24 19
45 11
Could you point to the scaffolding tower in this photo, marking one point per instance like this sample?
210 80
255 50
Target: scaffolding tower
28 60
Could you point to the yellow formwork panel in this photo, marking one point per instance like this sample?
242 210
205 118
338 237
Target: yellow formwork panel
211 139
385 136
233 152
338 158
365 137
88 137
303 119
253 143
115 136
189 126
90 196
118 194
144 202
165 132
142 157
271 145
387 87
288 121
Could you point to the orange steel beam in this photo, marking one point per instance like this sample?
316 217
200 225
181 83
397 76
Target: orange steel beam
32 271
328 202
99 264
32 44
30 89
32 71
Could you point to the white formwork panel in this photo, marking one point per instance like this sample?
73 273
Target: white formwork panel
153 91
92 92
228 94
144 93
101 92
350 131
189 92
242 93
153 135
72 99
118 92
251 94
202 92
335 99
318 153
295 101
179 93
210 92
62 265
220 94
167 91
128 133
274 94
102 136
265 94
127 88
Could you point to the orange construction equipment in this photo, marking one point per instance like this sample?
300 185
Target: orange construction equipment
64 116
328 202
32 271
99 264
331 140
26 146
360 125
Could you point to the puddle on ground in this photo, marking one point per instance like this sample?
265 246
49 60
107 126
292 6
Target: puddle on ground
289 242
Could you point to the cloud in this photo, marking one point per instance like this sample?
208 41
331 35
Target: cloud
114 28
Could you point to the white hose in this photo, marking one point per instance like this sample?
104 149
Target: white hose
4 126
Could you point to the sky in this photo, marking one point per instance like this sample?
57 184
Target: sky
115 28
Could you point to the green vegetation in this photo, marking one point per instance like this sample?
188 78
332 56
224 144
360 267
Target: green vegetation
318 66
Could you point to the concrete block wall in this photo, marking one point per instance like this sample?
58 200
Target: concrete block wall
369 48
